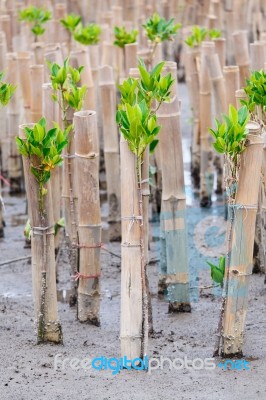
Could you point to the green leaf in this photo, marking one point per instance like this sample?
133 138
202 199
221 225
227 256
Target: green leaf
153 145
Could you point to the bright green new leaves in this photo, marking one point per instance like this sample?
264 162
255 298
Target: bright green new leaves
158 29
152 85
199 34
135 116
138 127
37 17
87 35
122 37
256 90
230 135
43 148
217 271
214 33
71 22
64 81
6 91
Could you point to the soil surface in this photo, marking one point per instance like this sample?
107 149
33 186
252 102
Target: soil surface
27 369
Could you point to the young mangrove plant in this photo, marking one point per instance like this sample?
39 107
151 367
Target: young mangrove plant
87 35
122 37
41 150
137 121
217 271
6 92
199 34
159 30
70 98
70 22
36 17
241 144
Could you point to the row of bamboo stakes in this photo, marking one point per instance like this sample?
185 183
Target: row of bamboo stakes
209 81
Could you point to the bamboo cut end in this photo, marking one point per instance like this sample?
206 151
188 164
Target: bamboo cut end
84 113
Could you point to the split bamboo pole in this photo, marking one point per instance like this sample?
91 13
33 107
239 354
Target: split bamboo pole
240 263
89 216
206 152
111 151
43 256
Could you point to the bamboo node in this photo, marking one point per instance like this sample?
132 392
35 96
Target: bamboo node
69 155
89 156
39 230
78 276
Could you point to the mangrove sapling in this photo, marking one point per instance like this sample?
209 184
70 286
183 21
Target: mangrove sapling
41 151
70 98
70 22
218 271
230 139
158 30
256 103
122 38
6 92
138 125
88 35
36 17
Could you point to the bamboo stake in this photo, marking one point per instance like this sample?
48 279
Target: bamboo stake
130 56
242 55
232 83
70 199
192 80
257 55
206 156
5 24
13 121
131 330
243 230
3 126
174 260
219 94
38 51
43 257
51 114
89 215
111 150
81 58
36 82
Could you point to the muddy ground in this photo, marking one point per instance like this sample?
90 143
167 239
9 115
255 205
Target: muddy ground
27 369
